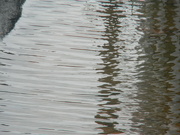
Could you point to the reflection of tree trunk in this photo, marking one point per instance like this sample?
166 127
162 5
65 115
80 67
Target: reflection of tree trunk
159 86
106 116
10 11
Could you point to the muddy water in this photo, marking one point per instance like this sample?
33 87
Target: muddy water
76 67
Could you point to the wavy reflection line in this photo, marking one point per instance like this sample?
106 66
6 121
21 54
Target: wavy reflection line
107 115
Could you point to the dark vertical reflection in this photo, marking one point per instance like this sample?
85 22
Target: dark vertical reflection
10 12
160 71
107 115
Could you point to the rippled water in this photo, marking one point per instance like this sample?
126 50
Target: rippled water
88 67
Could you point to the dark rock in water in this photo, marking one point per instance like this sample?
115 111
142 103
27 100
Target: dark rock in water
10 12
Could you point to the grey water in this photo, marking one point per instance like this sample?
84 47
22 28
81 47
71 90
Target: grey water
89 67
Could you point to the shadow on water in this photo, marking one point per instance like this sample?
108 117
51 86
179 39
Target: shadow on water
10 12
158 90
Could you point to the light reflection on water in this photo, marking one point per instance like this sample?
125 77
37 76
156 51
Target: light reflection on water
91 67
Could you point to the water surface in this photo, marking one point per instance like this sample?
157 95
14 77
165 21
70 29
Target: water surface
79 67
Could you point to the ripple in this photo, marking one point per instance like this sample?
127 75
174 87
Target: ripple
95 67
